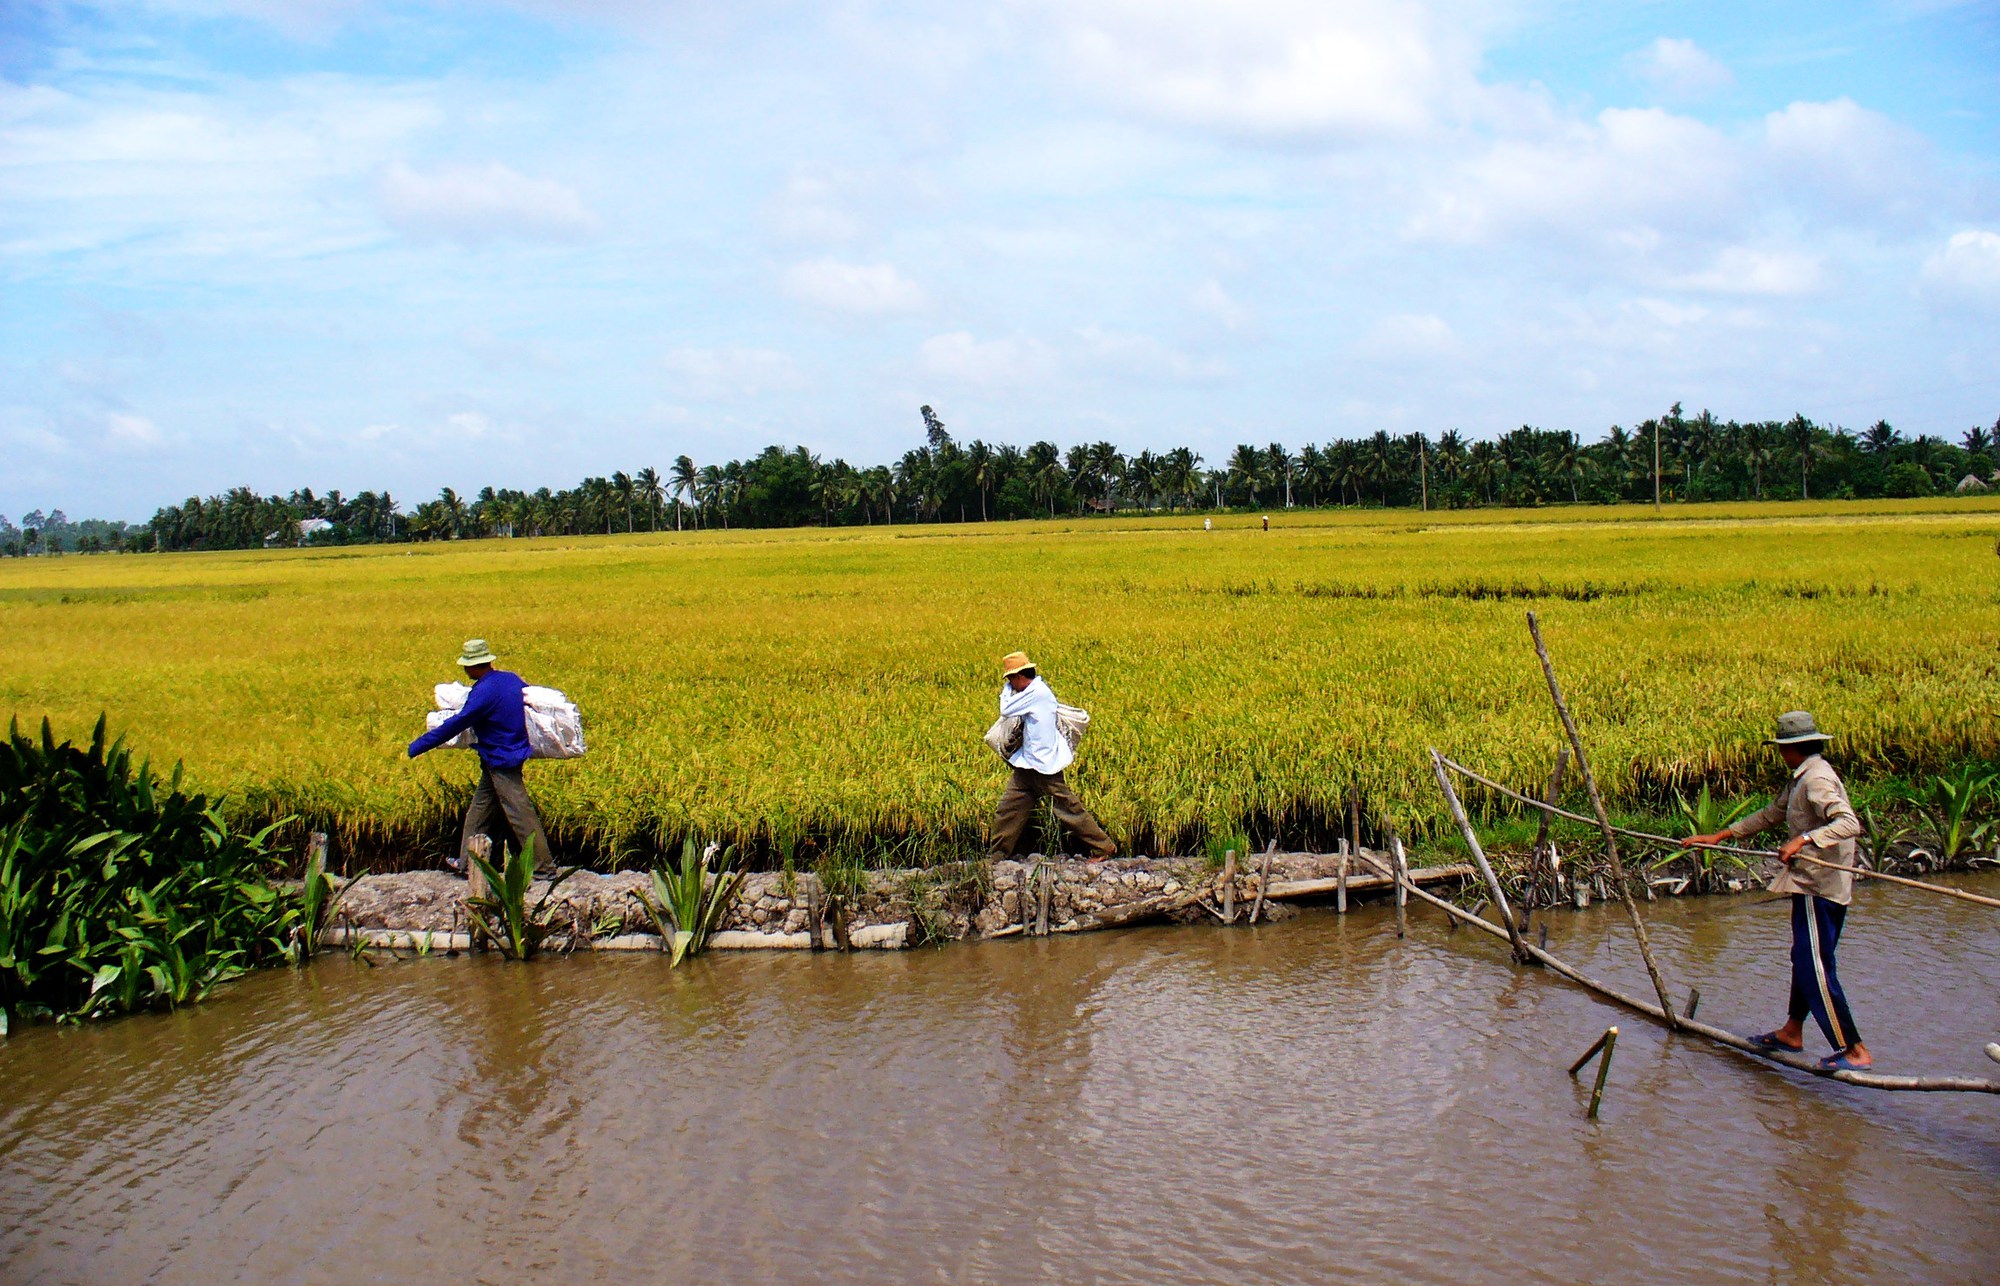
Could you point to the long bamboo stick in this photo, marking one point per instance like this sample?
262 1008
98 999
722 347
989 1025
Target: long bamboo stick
1263 880
1603 821
1668 840
1798 1062
1493 889
1402 873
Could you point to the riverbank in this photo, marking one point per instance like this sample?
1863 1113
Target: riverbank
779 910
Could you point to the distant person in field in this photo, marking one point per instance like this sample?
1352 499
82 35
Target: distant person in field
1038 765
1208 524
1821 824
1267 522
495 713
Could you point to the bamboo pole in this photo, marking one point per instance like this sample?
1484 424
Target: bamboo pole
1603 820
1603 1071
1227 893
1048 878
1402 874
1797 1062
480 846
1669 841
1493 889
1263 880
1353 846
838 909
815 913
1544 850
1590 1053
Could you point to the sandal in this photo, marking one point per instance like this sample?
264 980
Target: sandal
1839 1063
1769 1040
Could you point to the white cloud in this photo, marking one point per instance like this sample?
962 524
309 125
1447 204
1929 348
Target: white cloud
1410 336
720 373
1681 68
868 288
477 203
1739 270
1210 298
1966 271
1118 353
126 430
1617 180
956 355
1270 68
810 209
1849 161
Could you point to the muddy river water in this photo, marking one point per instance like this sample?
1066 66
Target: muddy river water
1302 1102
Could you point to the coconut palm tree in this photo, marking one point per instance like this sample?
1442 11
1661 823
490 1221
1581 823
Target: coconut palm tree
650 493
686 487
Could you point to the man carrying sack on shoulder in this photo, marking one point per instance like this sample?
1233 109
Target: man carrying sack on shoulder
1038 765
495 712
1820 823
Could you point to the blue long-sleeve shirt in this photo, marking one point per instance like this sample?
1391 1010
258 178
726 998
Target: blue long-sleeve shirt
493 710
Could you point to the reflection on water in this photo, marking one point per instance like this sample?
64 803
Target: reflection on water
1305 1101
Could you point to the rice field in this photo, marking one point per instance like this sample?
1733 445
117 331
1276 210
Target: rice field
831 686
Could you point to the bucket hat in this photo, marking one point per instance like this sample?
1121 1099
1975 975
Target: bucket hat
1795 726
1013 663
476 652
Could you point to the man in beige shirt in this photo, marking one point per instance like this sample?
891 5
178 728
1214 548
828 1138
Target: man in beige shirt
1822 824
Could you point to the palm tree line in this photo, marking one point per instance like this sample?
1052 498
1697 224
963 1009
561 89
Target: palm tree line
943 480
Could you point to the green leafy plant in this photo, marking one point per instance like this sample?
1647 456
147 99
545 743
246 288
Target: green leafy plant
1947 804
1219 846
118 889
687 899
1881 834
502 918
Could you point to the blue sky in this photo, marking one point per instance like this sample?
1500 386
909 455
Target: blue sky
349 244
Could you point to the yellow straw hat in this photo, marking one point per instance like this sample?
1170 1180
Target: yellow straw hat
1013 663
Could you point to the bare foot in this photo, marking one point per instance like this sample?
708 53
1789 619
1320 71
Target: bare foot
1858 1054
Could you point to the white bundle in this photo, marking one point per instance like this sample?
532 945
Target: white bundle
555 725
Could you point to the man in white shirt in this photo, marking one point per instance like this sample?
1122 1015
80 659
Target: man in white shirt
1038 766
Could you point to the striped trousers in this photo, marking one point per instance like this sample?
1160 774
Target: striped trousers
1815 979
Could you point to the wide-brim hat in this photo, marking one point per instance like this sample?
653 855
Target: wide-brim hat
1013 663
475 652
1795 726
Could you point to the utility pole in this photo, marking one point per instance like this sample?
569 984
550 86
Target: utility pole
1656 465
1424 469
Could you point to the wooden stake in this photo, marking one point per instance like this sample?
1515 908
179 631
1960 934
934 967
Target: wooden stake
1353 847
1545 851
1042 900
1402 875
1694 1000
1590 1053
1263 880
1228 890
815 912
315 855
1603 1071
480 846
1603 821
838 909
1493 889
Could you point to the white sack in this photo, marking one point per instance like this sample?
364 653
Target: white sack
555 725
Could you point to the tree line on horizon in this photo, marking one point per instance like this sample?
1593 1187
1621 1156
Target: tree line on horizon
1699 458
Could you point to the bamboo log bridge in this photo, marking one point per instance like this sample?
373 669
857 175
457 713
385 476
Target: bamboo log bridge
1686 1023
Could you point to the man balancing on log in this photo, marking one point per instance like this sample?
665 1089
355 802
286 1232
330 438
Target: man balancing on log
1038 765
1821 824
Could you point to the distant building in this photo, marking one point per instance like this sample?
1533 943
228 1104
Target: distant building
302 531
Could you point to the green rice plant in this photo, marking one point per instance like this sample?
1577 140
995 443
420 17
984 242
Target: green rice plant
1219 847
1947 801
688 899
845 675
502 918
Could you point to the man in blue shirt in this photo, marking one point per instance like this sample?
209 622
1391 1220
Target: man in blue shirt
498 719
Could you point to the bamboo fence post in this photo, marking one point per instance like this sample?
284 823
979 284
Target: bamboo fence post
815 913
1694 1000
1402 878
1603 821
1228 890
1263 880
1353 848
1590 1053
1042 900
1493 889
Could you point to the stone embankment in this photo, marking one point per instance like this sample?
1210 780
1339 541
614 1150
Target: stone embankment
772 909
